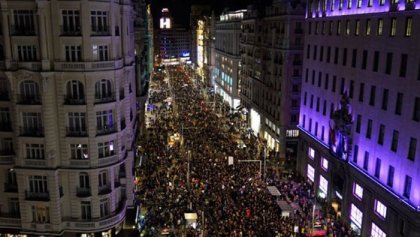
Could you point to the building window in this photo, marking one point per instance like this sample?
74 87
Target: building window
324 108
340 5
317 104
103 89
366 161
100 52
23 22
14 209
86 210
380 209
71 22
356 216
311 173
390 180
359 3
348 26
372 95
327 77
369 129
349 2
38 184
380 27
358 123
311 153
27 53
412 149
355 153
376 231
342 86
385 99
361 91
357 191
376 61
104 207
394 143
334 83
40 214
381 2
393 30
79 151
311 103
305 98
381 134
324 164
403 65
323 186
378 168
354 58
102 179
73 53
368 25
364 59
388 67
338 32
398 104
408 26
407 187
336 55
104 120
35 151
344 56
84 181
32 122
106 149
416 111
99 21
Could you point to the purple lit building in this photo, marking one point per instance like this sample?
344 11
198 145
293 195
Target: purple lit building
360 112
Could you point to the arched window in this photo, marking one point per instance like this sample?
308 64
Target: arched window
29 92
103 89
75 90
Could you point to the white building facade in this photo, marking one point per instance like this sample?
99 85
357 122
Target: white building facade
68 121
360 112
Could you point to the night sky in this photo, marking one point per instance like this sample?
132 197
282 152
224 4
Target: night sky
180 9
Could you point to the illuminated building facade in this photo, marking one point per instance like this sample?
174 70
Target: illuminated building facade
68 116
270 75
174 41
199 15
228 56
360 112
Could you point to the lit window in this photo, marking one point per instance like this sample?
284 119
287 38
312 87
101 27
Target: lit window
311 153
324 163
311 173
349 4
393 26
359 3
347 27
380 209
376 231
357 27
408 26
323 186
380 26
381 2
357 191
356 216
368 27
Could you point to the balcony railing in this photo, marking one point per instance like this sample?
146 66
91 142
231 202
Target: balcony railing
105 98
4 96
71 100
73 132
106 129
6 127
31 132
10 188
29 99
37 196
105 189
88 65
70 31
79 163
104 31
83 192
112 158
24 31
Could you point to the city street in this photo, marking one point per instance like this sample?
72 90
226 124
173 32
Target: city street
202 174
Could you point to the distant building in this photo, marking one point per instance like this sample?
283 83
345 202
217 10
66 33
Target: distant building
68 117
228 56
203 13
360 112
174 41
271 72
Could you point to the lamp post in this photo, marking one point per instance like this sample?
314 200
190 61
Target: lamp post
188 169
265 161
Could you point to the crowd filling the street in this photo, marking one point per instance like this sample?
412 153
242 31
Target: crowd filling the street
199 158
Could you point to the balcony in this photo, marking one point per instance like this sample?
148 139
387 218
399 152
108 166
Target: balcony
10 220
35 162
4 96
31 132
104 130
28 99
107 160
100 31
88 66
71 100
10 188
105 189
6 127
22 30
37 196
80 163
73 132
102 99
83 192
70 31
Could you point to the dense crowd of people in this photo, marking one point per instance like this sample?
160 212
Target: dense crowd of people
192 175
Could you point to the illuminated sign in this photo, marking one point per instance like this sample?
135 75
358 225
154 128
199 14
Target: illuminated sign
165 23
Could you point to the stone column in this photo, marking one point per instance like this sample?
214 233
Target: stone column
6 35
43 36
